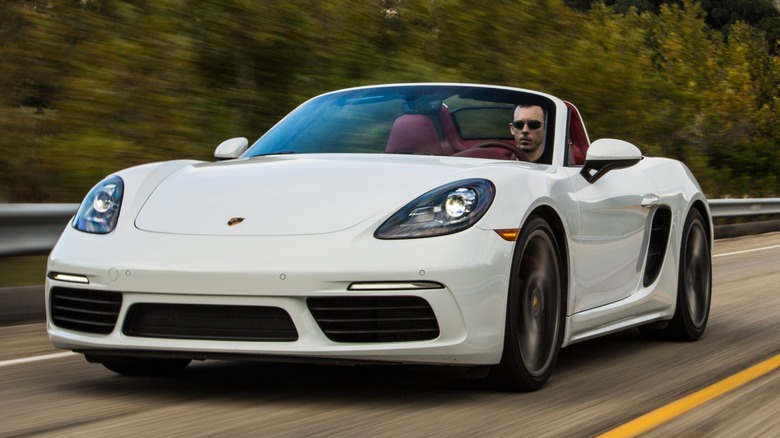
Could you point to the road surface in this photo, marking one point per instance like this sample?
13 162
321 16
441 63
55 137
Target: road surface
597 387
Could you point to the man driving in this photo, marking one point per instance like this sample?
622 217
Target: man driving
526 127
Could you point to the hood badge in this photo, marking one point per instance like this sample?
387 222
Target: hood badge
235 221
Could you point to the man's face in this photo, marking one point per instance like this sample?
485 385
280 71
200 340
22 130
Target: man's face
527 139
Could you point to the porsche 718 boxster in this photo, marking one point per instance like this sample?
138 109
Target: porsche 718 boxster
400 224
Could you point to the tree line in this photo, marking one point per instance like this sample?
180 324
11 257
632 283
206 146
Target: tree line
88 87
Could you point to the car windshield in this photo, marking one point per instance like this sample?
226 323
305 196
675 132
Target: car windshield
413 119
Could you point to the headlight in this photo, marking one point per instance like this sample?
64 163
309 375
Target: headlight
99 211
445 210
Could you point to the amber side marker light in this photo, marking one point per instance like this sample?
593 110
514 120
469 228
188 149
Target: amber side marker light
509 234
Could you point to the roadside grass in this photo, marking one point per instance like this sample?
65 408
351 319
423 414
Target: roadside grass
22 271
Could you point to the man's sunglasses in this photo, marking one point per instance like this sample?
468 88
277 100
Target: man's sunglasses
533 125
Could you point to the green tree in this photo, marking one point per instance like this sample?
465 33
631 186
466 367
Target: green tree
91 86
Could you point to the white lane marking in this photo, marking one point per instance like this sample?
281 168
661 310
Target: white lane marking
8 363
746 251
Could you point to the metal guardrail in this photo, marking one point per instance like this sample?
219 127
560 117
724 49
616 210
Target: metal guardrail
723 208
33 229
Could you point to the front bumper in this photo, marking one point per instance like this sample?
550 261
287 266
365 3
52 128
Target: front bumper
464 280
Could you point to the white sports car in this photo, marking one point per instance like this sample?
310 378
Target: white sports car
398 224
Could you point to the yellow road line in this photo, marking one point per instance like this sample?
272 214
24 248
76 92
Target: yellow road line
667 413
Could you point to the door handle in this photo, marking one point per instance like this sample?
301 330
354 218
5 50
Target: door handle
650 200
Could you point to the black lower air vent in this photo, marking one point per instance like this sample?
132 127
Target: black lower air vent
374 319
210 322
82 310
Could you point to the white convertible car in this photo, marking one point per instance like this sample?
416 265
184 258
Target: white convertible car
397 224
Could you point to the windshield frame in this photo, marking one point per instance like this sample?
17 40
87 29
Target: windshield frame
300 126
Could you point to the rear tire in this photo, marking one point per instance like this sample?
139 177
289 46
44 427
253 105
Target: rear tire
694 285
535 309
141 366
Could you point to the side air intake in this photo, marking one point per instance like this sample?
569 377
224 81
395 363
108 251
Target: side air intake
374 319
659 239
83 310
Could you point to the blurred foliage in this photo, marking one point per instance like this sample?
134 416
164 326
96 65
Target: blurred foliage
22 271
88 87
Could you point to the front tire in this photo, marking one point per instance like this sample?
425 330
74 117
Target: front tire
535 309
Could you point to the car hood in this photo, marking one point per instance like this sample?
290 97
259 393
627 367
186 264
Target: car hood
290 195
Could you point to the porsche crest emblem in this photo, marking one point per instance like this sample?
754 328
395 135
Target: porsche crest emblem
235 221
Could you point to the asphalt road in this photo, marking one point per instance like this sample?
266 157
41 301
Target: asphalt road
598 385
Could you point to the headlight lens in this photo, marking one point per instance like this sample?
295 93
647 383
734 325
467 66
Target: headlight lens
99 211
445 210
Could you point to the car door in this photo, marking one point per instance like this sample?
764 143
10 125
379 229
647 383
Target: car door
609 242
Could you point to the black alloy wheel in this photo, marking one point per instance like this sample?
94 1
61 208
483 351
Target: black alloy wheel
694 284
535 310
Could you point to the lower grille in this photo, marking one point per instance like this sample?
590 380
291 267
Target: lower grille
374 319
82 310
209 322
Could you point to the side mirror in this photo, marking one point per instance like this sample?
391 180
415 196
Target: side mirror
608 154
230 149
